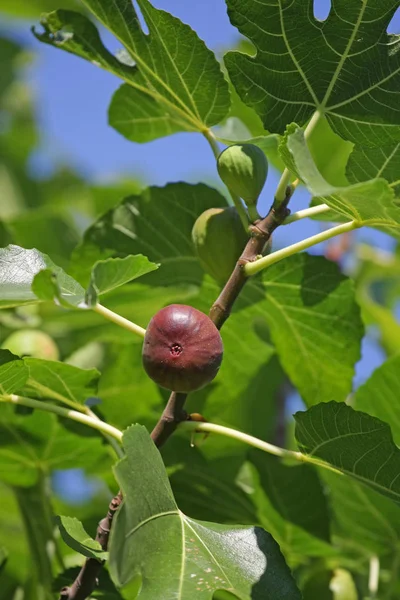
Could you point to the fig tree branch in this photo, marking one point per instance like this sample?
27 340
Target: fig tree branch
87 579
260 233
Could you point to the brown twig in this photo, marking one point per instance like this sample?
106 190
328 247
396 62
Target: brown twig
174 413
87 578
260 233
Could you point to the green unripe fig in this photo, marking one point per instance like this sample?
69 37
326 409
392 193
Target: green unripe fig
243 168
219 239
29 342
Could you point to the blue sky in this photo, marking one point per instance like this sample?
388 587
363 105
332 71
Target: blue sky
72 99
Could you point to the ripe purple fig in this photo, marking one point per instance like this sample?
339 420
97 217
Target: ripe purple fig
182 348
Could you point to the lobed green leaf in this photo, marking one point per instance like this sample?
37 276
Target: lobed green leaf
351 75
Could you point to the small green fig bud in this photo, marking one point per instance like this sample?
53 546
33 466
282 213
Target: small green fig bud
29 342
243 168
219 239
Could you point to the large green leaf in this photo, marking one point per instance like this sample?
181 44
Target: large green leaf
34 504
362 516
351 75
176 556
173 82
157 223
13 372
18 268
13 539
379 395
314 321
37 443
283 496
367 163
370 203
354 443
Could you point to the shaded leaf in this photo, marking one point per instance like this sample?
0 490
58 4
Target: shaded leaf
362 516
13 372
75 536
111 273
283 496
157 223
37 516
193 558
174 83
379 395
351 76
354 443
38 443
60 381
3 558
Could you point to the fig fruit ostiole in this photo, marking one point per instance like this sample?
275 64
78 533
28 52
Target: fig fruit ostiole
182 349
243 168
219 239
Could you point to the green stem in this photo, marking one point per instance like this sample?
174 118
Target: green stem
373 580
305 213
259 265
118 320
210 137
253 213
93 422
195 426
280 194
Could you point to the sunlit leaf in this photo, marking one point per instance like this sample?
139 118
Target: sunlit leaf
346 67
314 321
367 163
111 273
169 86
